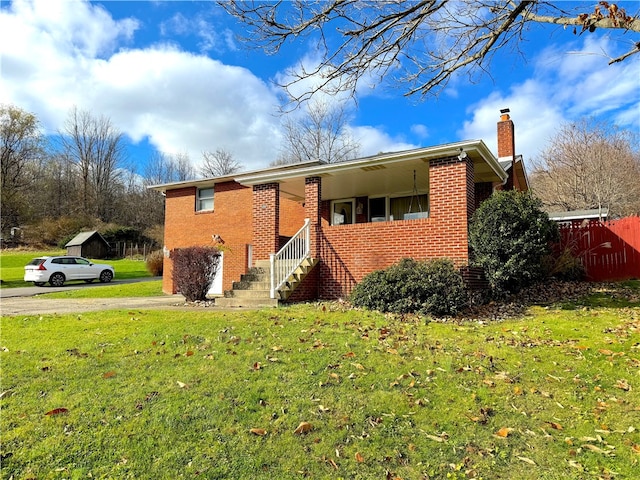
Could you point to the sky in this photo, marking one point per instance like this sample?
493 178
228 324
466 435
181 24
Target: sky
174 77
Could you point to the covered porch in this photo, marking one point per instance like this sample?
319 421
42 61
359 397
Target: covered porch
368 213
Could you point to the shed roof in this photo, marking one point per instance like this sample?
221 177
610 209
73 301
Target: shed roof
83 237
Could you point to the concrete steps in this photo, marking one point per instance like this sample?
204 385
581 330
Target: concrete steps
253 289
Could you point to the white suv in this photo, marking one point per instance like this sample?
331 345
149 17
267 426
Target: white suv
57 270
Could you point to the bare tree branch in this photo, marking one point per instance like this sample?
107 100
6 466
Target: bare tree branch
219 163
421 44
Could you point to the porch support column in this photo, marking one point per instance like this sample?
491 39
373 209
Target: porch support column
312 199
266 220
452 201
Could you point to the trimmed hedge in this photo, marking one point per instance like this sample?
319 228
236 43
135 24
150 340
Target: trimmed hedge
432 287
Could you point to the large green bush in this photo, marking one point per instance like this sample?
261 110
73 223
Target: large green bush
510 237
432 287
194 269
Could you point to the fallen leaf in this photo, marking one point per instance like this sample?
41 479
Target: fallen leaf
595 449
109 374
359 458
604 351
182 385
349 355
188 354
635 448
623 385
527 460
504 432
257 366
261 432
555 426
56 411
304 427
436 438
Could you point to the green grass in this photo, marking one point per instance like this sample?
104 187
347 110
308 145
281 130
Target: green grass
12 264
158 394
141 289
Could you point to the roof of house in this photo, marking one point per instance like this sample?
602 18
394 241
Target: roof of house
572 215
82 237
520 172
351 178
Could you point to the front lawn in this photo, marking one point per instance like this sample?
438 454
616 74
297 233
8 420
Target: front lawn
313 391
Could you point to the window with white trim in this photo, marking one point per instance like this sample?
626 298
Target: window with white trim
204 199
343 211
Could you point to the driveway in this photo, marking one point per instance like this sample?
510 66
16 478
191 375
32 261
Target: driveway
37 306
32 291
26 300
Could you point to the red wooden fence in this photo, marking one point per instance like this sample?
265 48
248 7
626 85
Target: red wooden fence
608 250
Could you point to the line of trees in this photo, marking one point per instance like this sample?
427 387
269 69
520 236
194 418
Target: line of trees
51 187
54 186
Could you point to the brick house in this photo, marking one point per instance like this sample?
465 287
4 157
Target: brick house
316 229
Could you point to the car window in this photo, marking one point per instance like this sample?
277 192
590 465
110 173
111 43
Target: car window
82 261
57 260
37 261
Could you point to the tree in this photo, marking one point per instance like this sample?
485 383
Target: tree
429 41
96 149
218 163
21 153
320 134
510 236
589 166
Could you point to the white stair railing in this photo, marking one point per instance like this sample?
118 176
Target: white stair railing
290 257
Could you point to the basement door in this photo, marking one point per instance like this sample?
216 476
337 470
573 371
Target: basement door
216 286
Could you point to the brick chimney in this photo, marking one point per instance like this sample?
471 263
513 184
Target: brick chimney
506 144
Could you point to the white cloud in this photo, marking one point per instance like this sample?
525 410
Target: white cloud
64 53
564 87
374 140
420 130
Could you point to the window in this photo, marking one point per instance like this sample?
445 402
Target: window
378 209
405 208
204 199
342 212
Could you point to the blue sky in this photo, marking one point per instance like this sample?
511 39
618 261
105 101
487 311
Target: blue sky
173 76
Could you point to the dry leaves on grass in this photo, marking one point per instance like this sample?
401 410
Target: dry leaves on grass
304 427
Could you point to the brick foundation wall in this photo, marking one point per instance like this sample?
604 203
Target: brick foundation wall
184 227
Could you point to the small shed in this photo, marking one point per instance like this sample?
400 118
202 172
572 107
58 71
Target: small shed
88 244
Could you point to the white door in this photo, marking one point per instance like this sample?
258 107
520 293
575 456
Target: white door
216 286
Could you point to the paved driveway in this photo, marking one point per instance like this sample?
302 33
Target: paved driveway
36 306
26 300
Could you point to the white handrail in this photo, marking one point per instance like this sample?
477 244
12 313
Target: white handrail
290 256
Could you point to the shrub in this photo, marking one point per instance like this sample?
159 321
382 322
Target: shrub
155 263
564 265
194 269
510 236
432 287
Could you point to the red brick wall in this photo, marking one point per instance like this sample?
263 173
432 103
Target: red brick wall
292 217
266 219
185 227
349 252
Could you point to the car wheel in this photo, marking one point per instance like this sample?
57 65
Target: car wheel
38 284
56 280
106 276
89 280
